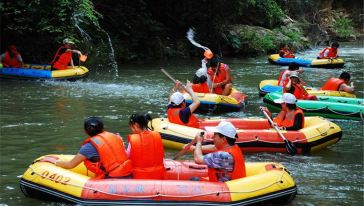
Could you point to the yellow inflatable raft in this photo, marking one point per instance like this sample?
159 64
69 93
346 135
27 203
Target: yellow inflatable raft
265 183
210 102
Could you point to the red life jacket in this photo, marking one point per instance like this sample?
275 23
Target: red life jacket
220 76
285 53
332 53
201 88
12 61
239 165
61 60
173 117
286 119
299 92
147 153
333 84
114 161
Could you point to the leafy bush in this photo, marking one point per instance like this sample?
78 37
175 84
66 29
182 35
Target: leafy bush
343 27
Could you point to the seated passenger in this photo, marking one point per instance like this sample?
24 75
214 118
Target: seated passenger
290 117
220 76
339 84
285 52
295 87
329 52
225 160
200 82
177 112
103 153
11 58
145 149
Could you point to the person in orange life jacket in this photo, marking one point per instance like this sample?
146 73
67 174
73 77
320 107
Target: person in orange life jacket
295 87
225 160
284 75
11 58
145 149
200 84
339 84
177 111
102 152
290 117
329 52
285 52
65 56
219 74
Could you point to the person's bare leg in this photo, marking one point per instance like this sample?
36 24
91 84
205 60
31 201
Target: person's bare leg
227 89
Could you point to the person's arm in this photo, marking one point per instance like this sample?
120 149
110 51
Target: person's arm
288 85
298 120
346 88
198 157
72 163
195 100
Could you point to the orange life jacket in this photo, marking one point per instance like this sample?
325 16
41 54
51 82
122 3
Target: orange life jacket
285 53
61 60
173 117
201 88
12 61
220 76
147 153
299 92
114 161
286 119
239 165
333 84
332 53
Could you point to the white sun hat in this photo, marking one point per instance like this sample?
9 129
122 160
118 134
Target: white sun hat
225 128
286 98
177 98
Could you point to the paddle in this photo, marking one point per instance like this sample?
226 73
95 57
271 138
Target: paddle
187 148
170 77
291 149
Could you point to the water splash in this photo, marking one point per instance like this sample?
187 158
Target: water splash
190 36
114 64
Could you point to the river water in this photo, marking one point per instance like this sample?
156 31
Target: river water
39 118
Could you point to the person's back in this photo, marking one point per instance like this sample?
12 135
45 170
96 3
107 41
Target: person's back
146 149
112 154
329 52
64 56
339 84
200 84
11 58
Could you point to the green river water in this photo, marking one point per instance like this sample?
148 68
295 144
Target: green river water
39 118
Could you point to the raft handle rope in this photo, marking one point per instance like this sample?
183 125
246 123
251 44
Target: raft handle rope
279 181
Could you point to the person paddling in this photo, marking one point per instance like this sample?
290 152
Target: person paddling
177 111
290 117
219 74
329 52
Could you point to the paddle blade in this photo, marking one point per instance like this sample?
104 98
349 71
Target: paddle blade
291 149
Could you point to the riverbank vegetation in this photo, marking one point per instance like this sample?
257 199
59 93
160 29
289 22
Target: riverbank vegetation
141 30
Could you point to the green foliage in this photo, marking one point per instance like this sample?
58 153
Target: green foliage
343 27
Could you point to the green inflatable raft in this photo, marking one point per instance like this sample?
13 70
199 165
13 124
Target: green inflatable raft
326 106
